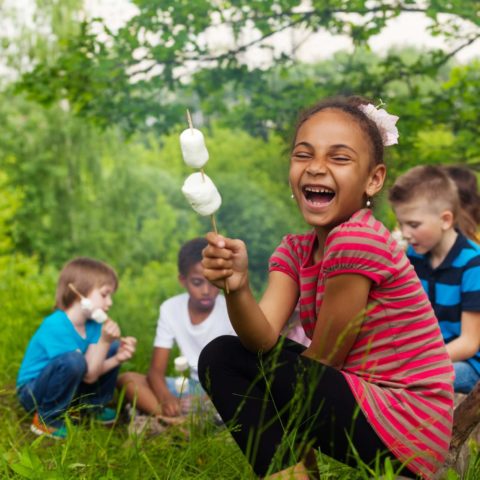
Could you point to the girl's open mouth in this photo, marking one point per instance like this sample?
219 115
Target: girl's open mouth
317 196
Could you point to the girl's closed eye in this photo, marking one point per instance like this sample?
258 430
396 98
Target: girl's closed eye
301 155
341 158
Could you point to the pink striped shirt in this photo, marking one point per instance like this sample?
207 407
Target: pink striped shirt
398 367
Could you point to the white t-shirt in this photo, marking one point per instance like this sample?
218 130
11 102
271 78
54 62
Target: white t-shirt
174 325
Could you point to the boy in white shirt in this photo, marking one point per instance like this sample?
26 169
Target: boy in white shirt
191 319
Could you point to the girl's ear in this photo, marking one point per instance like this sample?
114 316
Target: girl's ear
183 281
447 219
376 179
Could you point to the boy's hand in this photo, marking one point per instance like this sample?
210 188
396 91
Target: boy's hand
224 258
171 406
126 349
110 331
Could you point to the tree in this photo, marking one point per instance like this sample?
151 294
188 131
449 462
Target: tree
127 77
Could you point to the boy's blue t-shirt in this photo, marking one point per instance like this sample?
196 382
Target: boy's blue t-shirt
56 335
453 287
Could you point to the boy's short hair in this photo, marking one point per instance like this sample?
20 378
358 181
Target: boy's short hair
190 254
467 186
85 274
430 182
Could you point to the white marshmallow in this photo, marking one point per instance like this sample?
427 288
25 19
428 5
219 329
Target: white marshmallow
99 315
86 305
398 237
194 151
202 194
181 385
181 364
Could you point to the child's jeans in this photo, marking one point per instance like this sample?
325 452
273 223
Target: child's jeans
61 383
466 377
193 387
193 398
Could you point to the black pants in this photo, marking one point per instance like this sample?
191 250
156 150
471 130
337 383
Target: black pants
280 404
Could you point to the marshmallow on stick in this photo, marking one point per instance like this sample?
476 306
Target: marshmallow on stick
200 191
194 151
181 364
98 315
202 194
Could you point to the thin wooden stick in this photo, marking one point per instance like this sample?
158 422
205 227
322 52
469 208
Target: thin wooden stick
71 286
189 120
214 225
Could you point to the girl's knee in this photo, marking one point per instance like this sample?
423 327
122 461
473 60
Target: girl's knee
215 352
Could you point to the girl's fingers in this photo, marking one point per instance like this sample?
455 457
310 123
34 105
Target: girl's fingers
223 247
215 240
215 275
214 252
216 263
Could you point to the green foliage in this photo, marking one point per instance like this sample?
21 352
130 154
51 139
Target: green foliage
26 295
127 77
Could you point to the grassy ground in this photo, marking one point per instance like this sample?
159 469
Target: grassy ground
93 452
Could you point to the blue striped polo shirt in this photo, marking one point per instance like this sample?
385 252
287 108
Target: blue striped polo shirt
453 287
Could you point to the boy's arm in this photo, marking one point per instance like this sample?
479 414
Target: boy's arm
125 352
96 353
156 379
468 343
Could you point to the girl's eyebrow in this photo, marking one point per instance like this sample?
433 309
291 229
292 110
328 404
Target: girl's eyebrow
342 145
337 145
305 144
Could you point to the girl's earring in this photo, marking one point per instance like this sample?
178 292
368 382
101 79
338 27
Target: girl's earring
369 202
292 196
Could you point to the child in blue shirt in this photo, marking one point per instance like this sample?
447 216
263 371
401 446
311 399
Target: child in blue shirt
428 209
71 357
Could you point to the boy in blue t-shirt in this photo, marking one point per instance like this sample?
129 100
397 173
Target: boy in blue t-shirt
72 357
426 203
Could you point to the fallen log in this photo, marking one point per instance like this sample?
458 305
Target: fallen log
466 419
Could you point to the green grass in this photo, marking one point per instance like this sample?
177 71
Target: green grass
93 452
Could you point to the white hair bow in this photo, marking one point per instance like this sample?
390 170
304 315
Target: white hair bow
384 121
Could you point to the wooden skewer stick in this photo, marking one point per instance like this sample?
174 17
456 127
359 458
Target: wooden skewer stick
71 286
214 225
189 120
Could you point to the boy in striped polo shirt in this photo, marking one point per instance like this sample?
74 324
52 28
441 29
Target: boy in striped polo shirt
426 203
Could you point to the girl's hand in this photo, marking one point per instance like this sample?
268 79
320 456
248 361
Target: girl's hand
224 260
126 349
110 331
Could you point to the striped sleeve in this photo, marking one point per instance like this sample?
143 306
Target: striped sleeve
285 258
360 249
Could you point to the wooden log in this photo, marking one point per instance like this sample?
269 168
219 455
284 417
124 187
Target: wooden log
466 417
